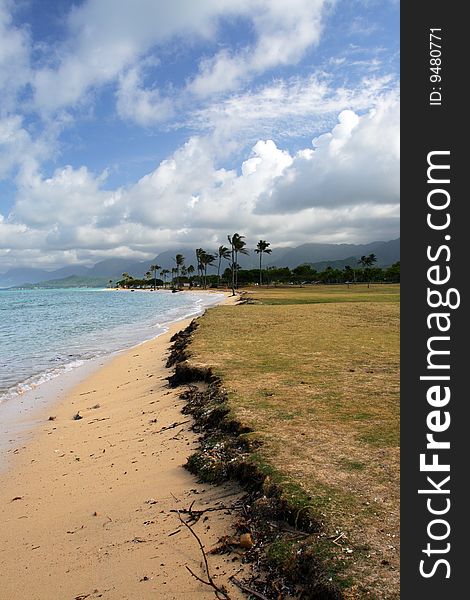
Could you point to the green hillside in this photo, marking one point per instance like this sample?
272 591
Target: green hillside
73 281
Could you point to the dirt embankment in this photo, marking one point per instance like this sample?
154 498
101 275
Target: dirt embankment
285 535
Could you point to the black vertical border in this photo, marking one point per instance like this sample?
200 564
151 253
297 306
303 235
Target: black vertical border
426 128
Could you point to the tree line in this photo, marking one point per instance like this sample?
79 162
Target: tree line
234 276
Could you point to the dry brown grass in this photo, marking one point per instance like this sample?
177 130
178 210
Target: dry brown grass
311 294
319 383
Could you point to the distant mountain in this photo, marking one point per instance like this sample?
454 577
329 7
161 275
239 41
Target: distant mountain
72 281
387 253
351 261
24 275
113 268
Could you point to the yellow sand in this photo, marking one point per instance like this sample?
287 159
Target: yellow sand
85 507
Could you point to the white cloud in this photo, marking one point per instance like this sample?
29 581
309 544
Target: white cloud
14 58
104 38
18 150
144 107
346 189
356 163
295 107
342 188
24 144
282 37
107 39
70 198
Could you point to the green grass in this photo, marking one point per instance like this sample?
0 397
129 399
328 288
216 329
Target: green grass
315 372
314 294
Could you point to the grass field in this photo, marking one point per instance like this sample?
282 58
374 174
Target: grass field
314 294
315 372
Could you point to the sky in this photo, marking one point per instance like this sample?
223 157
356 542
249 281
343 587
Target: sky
129 127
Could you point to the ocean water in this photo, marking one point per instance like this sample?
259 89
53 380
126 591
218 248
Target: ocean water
47 333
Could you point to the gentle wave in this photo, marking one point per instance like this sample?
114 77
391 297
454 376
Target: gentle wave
36 380
75 327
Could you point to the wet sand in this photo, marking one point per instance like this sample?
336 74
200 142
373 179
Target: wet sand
86 506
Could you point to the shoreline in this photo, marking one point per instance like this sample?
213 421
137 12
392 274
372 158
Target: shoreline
88 505
19 411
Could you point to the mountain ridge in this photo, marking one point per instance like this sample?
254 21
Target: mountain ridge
112 268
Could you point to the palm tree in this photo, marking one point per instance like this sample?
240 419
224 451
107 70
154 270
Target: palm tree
154 269
366 262
200 268
164 273
179 260
349 274
206 260
222 252
262 247
126 277
190 271
237 247
110 283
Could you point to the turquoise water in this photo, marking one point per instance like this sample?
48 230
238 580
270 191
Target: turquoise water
45 333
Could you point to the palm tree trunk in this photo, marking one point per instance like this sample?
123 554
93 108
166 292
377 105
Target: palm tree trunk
260 275
218 271
236 270
233 272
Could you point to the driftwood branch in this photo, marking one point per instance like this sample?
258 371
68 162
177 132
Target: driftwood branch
335 541
172 426
195 515
176 436
220 592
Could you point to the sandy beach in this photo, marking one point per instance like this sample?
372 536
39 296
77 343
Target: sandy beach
87 505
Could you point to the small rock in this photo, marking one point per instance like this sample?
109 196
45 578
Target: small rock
246 540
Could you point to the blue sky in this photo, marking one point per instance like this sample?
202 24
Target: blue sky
127 128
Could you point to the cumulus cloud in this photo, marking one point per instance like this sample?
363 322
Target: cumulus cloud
70 198
17 236
234 169
188 192
356 163
340 189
